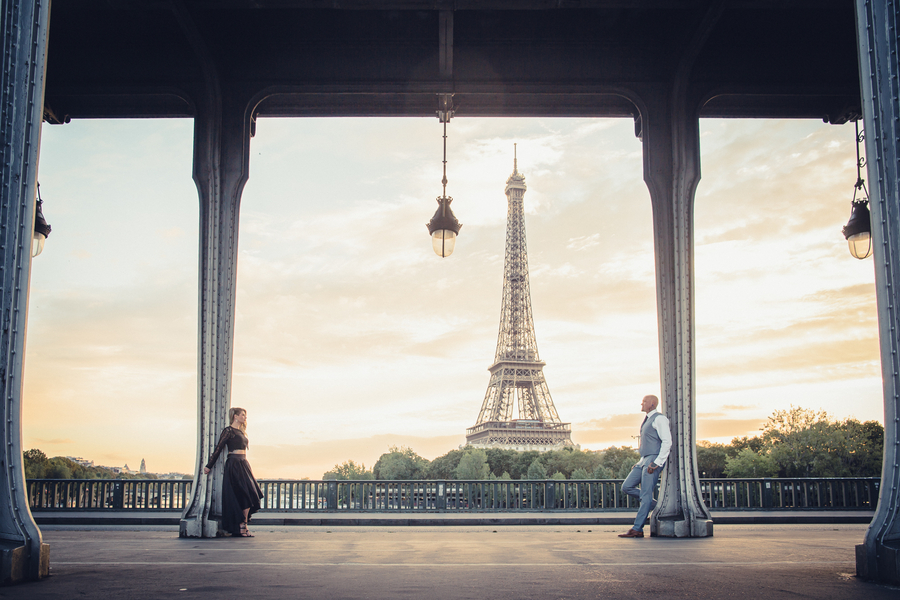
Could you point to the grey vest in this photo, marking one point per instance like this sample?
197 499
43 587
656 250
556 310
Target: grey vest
650 440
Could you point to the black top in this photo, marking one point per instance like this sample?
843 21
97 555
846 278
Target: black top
234 439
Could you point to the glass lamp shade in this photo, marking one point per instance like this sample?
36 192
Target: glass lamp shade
858 229
860 245
443 241
41 229
37 243
443 228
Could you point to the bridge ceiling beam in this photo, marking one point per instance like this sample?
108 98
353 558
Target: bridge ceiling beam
533 58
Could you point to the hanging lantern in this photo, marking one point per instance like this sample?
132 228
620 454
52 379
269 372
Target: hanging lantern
858 229
443 226
41 226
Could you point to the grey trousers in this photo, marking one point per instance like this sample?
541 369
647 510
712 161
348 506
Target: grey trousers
647 482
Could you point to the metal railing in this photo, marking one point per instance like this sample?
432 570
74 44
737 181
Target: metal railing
453 496
108 494
831 493
445 496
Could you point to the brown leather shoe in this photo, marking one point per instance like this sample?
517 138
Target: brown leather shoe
632 533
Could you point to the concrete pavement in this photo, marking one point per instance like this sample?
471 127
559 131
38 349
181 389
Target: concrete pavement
565 561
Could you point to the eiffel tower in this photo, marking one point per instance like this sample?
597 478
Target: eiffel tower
517 376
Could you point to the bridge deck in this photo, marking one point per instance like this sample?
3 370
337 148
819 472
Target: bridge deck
783 561
432 519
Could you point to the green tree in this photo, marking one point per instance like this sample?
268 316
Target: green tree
400 463
602 472
523 463
537 470
60 468
36 464
474 465
620 460
863 450
580 473
750 464
737 444
501 459
444 467
711 458
803 443
348 471
566 460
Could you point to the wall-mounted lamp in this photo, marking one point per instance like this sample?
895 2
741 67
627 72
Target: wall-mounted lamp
858 229
443 226
41 226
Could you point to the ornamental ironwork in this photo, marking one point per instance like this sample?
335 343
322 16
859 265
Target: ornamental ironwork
517 411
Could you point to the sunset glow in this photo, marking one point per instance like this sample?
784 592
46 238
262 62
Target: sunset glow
351 335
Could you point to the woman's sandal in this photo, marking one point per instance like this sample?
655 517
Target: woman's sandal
244 531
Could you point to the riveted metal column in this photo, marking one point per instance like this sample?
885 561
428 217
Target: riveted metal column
670 124
23 556
877 32
221 167
221 163
671 142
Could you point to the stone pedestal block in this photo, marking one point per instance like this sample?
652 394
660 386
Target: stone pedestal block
681 528
198 527
886 563
14 563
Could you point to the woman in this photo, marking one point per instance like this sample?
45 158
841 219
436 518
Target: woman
240 492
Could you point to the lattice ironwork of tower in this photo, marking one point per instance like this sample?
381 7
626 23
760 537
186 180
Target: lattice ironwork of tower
517 376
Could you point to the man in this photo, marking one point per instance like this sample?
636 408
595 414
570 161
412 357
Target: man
656 441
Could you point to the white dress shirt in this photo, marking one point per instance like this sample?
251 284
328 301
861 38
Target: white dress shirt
661 424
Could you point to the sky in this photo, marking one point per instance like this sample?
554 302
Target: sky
352 336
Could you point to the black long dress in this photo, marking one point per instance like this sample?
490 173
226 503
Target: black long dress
239 488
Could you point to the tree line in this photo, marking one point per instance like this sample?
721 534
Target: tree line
39 466
796 442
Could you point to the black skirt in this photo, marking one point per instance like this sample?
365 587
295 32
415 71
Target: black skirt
239 492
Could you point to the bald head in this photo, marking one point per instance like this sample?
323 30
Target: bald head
649 403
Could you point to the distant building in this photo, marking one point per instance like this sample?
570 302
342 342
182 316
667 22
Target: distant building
81 461
143 467
173 476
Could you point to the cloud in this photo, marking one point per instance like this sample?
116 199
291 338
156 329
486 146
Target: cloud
612 430
55 442
717 428
622 429
348 326
583 242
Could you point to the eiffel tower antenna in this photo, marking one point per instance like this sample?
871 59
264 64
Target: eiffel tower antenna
517 376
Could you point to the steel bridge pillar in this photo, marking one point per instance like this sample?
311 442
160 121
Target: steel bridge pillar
222 131
670 127
23 556
670 130
878 558
221 164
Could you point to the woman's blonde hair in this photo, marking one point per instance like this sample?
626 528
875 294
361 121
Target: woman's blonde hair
234 410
